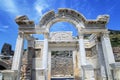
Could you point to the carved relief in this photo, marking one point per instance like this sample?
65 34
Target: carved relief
24 21
62 64
103 18
62 13
61 36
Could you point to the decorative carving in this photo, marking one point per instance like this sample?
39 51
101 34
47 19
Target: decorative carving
61 36
24 21
105 34
62 63
68 15
103 18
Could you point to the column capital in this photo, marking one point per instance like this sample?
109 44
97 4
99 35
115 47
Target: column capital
105 34
21 34
97 38
81 35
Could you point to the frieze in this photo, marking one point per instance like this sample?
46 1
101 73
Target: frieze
61 36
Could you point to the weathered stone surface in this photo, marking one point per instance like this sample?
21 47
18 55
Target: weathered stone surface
62 64
81 63
23 21
116 51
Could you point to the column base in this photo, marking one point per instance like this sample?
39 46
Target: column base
9 75
116 70
88 72
40 74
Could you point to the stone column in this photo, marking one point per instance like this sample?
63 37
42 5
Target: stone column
102 75
82 54
45 54
82 50
18 54
108 54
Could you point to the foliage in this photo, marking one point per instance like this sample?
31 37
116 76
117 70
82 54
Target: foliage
115 38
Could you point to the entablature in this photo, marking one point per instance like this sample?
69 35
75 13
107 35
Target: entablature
64 14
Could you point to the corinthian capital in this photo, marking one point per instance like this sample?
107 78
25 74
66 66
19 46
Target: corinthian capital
105 34
21 34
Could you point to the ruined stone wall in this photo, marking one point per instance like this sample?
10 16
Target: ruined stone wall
116 51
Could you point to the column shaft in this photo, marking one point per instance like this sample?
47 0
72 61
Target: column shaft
82 55
108 54
18 53
45 54
45 58
16 64
108 49
82 51
101 60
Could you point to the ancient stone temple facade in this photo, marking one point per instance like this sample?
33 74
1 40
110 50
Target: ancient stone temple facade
61 56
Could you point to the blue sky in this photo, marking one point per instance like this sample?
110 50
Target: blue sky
34 9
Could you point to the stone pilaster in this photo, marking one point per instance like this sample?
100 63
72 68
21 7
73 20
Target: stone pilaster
18 54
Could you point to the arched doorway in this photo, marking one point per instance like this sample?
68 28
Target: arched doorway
72 17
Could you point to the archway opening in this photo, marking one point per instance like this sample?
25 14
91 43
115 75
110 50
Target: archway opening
62 60
64 26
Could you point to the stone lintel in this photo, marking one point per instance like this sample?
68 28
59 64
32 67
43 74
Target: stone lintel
32 30
89 31
37 30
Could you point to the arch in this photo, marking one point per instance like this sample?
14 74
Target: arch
65 15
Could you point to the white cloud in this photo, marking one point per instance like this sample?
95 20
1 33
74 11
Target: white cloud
5 27
9 6
40 6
